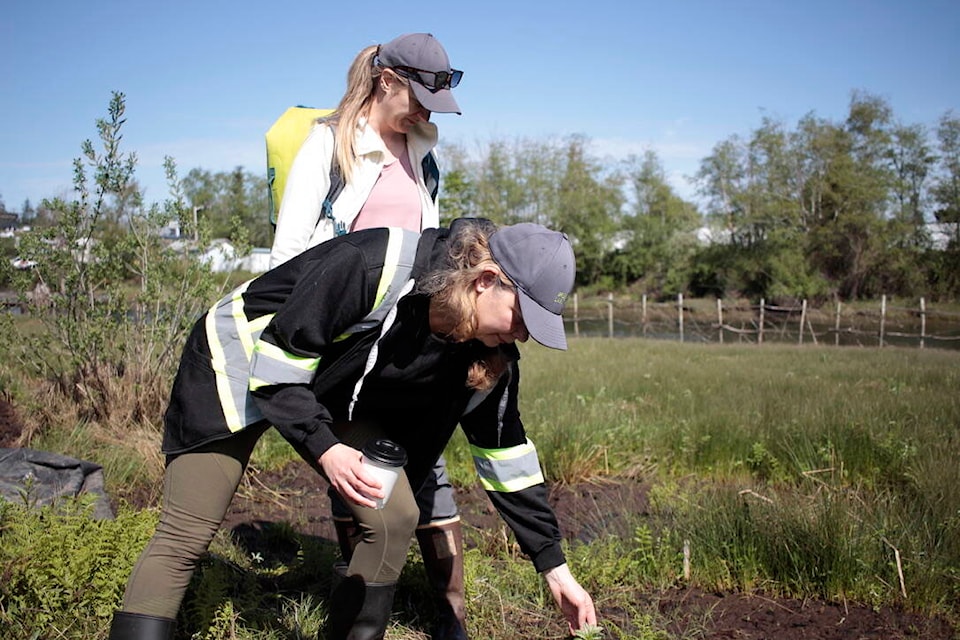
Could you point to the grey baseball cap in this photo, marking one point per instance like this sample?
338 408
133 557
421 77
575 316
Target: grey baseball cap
540 262
423 52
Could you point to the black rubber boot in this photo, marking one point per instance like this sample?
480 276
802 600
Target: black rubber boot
442 549
358 610
135 626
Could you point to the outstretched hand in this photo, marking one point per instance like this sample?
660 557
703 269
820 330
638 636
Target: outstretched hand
346 473
575 603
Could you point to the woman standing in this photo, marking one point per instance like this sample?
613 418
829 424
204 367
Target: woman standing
381 140
376 334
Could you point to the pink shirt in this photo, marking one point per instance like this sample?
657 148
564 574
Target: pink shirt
394 200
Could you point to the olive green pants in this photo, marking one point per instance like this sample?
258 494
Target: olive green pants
197 489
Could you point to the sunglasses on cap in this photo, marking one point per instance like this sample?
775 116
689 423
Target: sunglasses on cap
433 80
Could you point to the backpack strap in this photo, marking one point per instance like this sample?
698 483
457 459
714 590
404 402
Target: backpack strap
336 186
431 179
431 175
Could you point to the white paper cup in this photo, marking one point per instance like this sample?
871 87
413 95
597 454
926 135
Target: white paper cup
385 460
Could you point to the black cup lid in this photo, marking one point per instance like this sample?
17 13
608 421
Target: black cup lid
386 452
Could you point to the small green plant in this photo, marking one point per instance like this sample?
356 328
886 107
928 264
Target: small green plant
589 632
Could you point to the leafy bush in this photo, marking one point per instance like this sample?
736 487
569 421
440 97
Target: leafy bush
113 302
63 572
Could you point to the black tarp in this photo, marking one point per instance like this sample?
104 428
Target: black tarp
42 478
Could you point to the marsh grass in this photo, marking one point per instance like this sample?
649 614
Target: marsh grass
813 467
801 471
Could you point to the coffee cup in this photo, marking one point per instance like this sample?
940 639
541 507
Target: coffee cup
384 459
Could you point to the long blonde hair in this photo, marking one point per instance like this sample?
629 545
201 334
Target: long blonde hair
453 297
362 79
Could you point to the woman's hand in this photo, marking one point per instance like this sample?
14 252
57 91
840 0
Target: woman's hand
575 603
346 473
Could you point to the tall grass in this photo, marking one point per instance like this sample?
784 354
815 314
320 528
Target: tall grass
814 468
801 471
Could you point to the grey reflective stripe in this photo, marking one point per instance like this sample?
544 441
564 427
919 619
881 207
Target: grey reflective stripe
476 399
272 365
231 339
508 470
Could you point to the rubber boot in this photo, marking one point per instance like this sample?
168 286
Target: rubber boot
348 534
441 546
135 626
358 610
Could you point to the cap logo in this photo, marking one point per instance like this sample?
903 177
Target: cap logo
561 298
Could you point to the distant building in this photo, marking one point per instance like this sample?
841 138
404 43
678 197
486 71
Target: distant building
9 221
221 256
171 231
257 261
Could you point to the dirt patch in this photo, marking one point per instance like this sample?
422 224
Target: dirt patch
755 617
586 511
298 496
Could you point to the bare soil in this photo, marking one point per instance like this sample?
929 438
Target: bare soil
296 495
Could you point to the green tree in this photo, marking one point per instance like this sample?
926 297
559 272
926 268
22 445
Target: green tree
499 195
230 205
847 244
659 231
588 211
457 187
27 211
946 195
754 190
946 185
113 305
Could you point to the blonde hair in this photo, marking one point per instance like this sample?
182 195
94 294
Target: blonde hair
453 297
362 79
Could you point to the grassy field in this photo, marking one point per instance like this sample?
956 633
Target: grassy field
802 471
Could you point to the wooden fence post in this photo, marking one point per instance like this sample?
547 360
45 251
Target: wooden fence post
643 315
610 320
719 320
576 315
760 330
923 321
803 319
680 314
836 326
883 315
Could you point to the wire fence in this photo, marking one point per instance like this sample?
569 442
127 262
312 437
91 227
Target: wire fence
699 320
741 322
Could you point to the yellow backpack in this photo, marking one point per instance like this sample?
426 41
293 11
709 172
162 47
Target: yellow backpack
284 139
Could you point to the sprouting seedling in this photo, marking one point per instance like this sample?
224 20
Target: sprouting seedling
589 632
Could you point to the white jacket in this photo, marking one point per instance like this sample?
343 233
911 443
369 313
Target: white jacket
299 223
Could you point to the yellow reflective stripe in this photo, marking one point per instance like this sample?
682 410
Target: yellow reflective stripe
390 262
276 353
256 327
508 469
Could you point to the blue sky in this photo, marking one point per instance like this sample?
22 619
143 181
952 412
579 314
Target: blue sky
204 80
